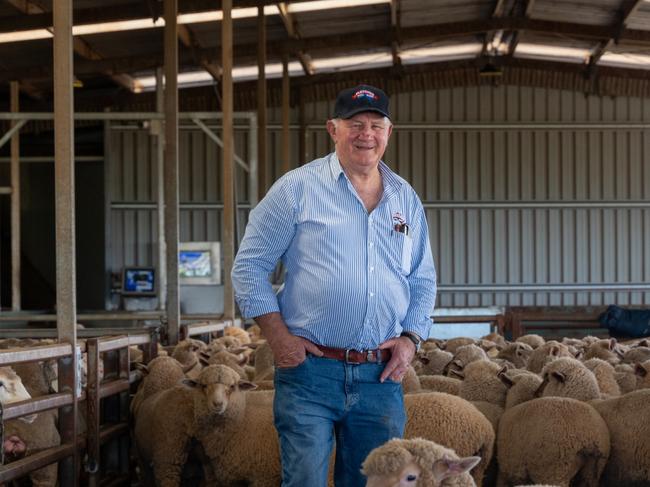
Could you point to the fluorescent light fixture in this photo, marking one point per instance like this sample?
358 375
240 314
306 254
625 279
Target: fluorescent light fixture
203 78
343 63
543 51
25 35
440 53
626 60
331 4
217 15
80 30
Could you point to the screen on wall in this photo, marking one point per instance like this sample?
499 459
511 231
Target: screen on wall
139 281
194 263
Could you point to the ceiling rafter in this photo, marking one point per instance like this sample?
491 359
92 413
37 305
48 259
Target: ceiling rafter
491 35
623 14
190 41
291 25
521 10
395 24
80 46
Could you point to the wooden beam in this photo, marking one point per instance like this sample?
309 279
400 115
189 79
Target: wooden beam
291 26
395 23
190 41
15 202
228 229
522 10
623 14
64 201
171 170
286 114
262 164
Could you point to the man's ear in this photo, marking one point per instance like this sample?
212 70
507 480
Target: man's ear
390 129
331 129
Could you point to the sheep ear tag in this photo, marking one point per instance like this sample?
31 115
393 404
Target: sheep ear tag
447 467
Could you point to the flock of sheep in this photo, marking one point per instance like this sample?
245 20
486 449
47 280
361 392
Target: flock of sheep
480 412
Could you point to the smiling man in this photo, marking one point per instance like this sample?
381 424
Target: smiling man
359 289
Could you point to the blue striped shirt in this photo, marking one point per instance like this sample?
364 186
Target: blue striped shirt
352 280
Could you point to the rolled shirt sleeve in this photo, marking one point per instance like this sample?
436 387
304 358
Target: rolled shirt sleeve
271 227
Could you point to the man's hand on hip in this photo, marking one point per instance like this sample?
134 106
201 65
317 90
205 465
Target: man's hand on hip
402 353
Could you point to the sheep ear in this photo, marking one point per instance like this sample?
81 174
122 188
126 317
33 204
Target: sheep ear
447 467
244 385
643 343
612 343
457 373
559 376
507 381
555 351
204 359
424 360
190 383
640 370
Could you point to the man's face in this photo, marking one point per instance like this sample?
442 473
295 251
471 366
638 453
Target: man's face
360 140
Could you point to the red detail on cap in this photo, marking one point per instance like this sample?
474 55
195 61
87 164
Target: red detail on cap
365 94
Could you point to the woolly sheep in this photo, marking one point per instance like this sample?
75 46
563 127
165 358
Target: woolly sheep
522 387
417 462
643 376
452 344
161 373
481 383
496 338
243 448
548 352
517 353
452 422
235 362
491 411
608 350
568 377
465 355
626 378
169 419
627 418
440 383
605 376
636 354
532 340
432 362
491 348
237 332
553 440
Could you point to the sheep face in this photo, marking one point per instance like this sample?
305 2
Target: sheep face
218 383
11 387
407 477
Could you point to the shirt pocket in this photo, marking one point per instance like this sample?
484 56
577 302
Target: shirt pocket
407 251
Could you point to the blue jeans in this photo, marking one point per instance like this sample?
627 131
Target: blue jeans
322 399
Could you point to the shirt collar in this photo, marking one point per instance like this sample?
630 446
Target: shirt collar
388 176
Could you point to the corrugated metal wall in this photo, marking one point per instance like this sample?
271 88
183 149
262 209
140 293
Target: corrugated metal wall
524 206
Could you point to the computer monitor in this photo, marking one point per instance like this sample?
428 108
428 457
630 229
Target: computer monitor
139 281
199 263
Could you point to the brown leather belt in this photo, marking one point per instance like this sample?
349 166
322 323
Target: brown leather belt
355 357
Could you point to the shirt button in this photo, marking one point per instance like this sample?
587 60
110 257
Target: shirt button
370 244
372 294
370 220
372 269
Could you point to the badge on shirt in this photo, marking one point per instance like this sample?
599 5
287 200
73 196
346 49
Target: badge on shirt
399 223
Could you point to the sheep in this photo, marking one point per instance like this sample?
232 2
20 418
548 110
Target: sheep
169 419
554 440
440 383
452 344
517 353
643 377
417 462
481 383
607 350
491 348
226 358
568 377
237 332
264 362
522 387
626 378
162 373
452 422
543 354
636 355
627 418
491 411
432 362
532 340
245 432
605 376
465 354
254 332
410 381
496 338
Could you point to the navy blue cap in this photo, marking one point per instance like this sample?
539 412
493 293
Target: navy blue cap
362 98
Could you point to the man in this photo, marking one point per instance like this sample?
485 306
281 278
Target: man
359 291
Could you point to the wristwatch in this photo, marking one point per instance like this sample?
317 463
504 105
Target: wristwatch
414 337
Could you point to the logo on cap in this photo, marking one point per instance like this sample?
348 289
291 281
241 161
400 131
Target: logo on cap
365 94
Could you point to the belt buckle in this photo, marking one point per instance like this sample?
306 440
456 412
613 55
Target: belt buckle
347 357
372 356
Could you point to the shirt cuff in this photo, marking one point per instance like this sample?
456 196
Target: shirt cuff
254 307
422 329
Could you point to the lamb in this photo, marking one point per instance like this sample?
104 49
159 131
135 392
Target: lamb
607 350
162 373
578 433
481 383
465 354
169 419
417 462
548 352
517 353
453 344
432 362
187 353
532 340
413 383
636 355
605 376
568 377
237 332
496 338
226 358
627 418
522 387
452 422
626 378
